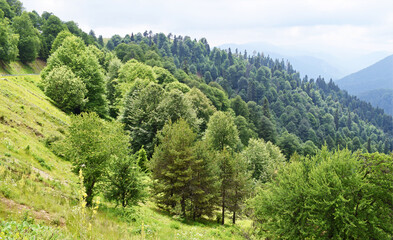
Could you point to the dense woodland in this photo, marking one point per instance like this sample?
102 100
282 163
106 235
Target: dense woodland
217 131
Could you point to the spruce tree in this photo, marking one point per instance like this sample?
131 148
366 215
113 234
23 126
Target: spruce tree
205 182
171 166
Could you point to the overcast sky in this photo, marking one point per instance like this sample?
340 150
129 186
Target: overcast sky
328 26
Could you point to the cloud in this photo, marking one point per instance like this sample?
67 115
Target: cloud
329 25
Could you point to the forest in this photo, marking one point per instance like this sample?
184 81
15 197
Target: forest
208 133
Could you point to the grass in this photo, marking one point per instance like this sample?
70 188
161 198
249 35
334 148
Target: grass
17 67
39 193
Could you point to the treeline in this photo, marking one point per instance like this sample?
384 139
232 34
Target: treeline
28 35
268 96
308 112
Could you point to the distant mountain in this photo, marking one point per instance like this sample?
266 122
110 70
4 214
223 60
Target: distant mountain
305 64
382 98
376 76
373 84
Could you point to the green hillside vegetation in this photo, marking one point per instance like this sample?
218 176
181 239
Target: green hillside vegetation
377 76
156 136
38 188
17 67
382 98
373 84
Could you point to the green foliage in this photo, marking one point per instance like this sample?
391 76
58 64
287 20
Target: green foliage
29 41
8 40
246 130
241 186
340 195
113 94
163 76
28 230
263 159
204 183
289 144
267 130
202 106
171 166
184 172
74 54
59 40
90 144
124 181
51 27
141 116
221 131
141 159
65 89
240 107
177 85
174 105
133 69
6 9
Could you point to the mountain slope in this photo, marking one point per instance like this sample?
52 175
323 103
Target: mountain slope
376 76
382 98
373 84
305 64
38 191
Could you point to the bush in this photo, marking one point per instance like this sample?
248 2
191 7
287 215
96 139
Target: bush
65 89
340 195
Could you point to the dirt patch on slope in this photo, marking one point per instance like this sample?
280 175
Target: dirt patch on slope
21 208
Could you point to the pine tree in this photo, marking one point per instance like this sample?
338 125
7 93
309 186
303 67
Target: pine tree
100 41
171 166
226 176
265 108
241 185
142 159
336 118
204 185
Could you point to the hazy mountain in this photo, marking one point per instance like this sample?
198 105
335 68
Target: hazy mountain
311 62
373 84
382 98
305 64
376 76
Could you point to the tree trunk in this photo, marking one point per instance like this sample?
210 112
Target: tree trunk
223 209
89 193
183 206
234 217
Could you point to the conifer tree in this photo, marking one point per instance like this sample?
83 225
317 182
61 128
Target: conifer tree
171 166
241 185
205 183
225 162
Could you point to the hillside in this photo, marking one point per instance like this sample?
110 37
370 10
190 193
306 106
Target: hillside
38 191
382 98
17 67
376 76
160 136
309 65
372 84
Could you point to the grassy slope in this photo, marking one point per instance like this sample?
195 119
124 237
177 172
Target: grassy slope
20 68
35 184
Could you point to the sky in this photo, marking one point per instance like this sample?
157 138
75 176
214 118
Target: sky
334 27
